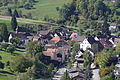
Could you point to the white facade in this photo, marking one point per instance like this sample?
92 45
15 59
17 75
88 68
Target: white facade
112 27
10 37
85 45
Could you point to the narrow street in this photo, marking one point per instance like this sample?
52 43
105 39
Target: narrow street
59 73
95 74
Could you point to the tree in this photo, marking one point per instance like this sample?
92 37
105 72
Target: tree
11 48
117 3
3 32
102 58
76 48
30 48
65 76
50 69
14 22
9 12
20 63
34 48
87 59
38 48
16 13
117 49
1 65
66 11
16 41
105 28
29 75
87 74
95 47
4 46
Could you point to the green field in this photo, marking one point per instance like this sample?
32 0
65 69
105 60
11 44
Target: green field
5 73
41 8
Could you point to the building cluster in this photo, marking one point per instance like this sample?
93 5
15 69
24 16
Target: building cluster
56 43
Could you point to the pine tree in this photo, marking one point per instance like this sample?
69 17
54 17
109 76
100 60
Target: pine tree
14 22
9 12
16 13
105 28
3 32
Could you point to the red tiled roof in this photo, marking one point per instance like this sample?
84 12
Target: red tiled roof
73 35
56 39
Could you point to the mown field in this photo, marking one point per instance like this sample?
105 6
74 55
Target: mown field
41 8
46 8
5 73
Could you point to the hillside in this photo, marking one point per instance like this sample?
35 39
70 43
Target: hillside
40 8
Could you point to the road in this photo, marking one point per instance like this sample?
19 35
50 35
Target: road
95 74
18 19
59 73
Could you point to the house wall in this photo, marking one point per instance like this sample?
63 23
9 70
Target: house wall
10 37
85 44
54 56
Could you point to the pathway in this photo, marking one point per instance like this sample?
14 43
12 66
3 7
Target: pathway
95 74
59 73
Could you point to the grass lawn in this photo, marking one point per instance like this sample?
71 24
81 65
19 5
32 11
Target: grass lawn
8 23
7 56
5 74
41 8
45 8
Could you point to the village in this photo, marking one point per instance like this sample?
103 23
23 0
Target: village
59 47
59 39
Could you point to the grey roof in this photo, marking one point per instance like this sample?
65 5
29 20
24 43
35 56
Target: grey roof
22 35
43 32
77 74
91 40
75 69
79 38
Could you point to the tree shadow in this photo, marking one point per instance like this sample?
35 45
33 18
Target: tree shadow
5 72
15 54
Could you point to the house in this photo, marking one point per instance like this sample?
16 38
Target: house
76 73
78 38
117 69
22 36
42 33
57 53
87 43
73 35
105 43
116 41
113 27
79 57
57 41
45 34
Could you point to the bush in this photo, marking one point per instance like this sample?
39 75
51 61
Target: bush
108 77
105 71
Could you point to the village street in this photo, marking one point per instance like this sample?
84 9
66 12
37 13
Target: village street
59 73
95 74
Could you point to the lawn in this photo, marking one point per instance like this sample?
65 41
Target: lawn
41 8
5 73
8 23
47 8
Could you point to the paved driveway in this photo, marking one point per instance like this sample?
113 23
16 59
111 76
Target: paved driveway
95 74
59 73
